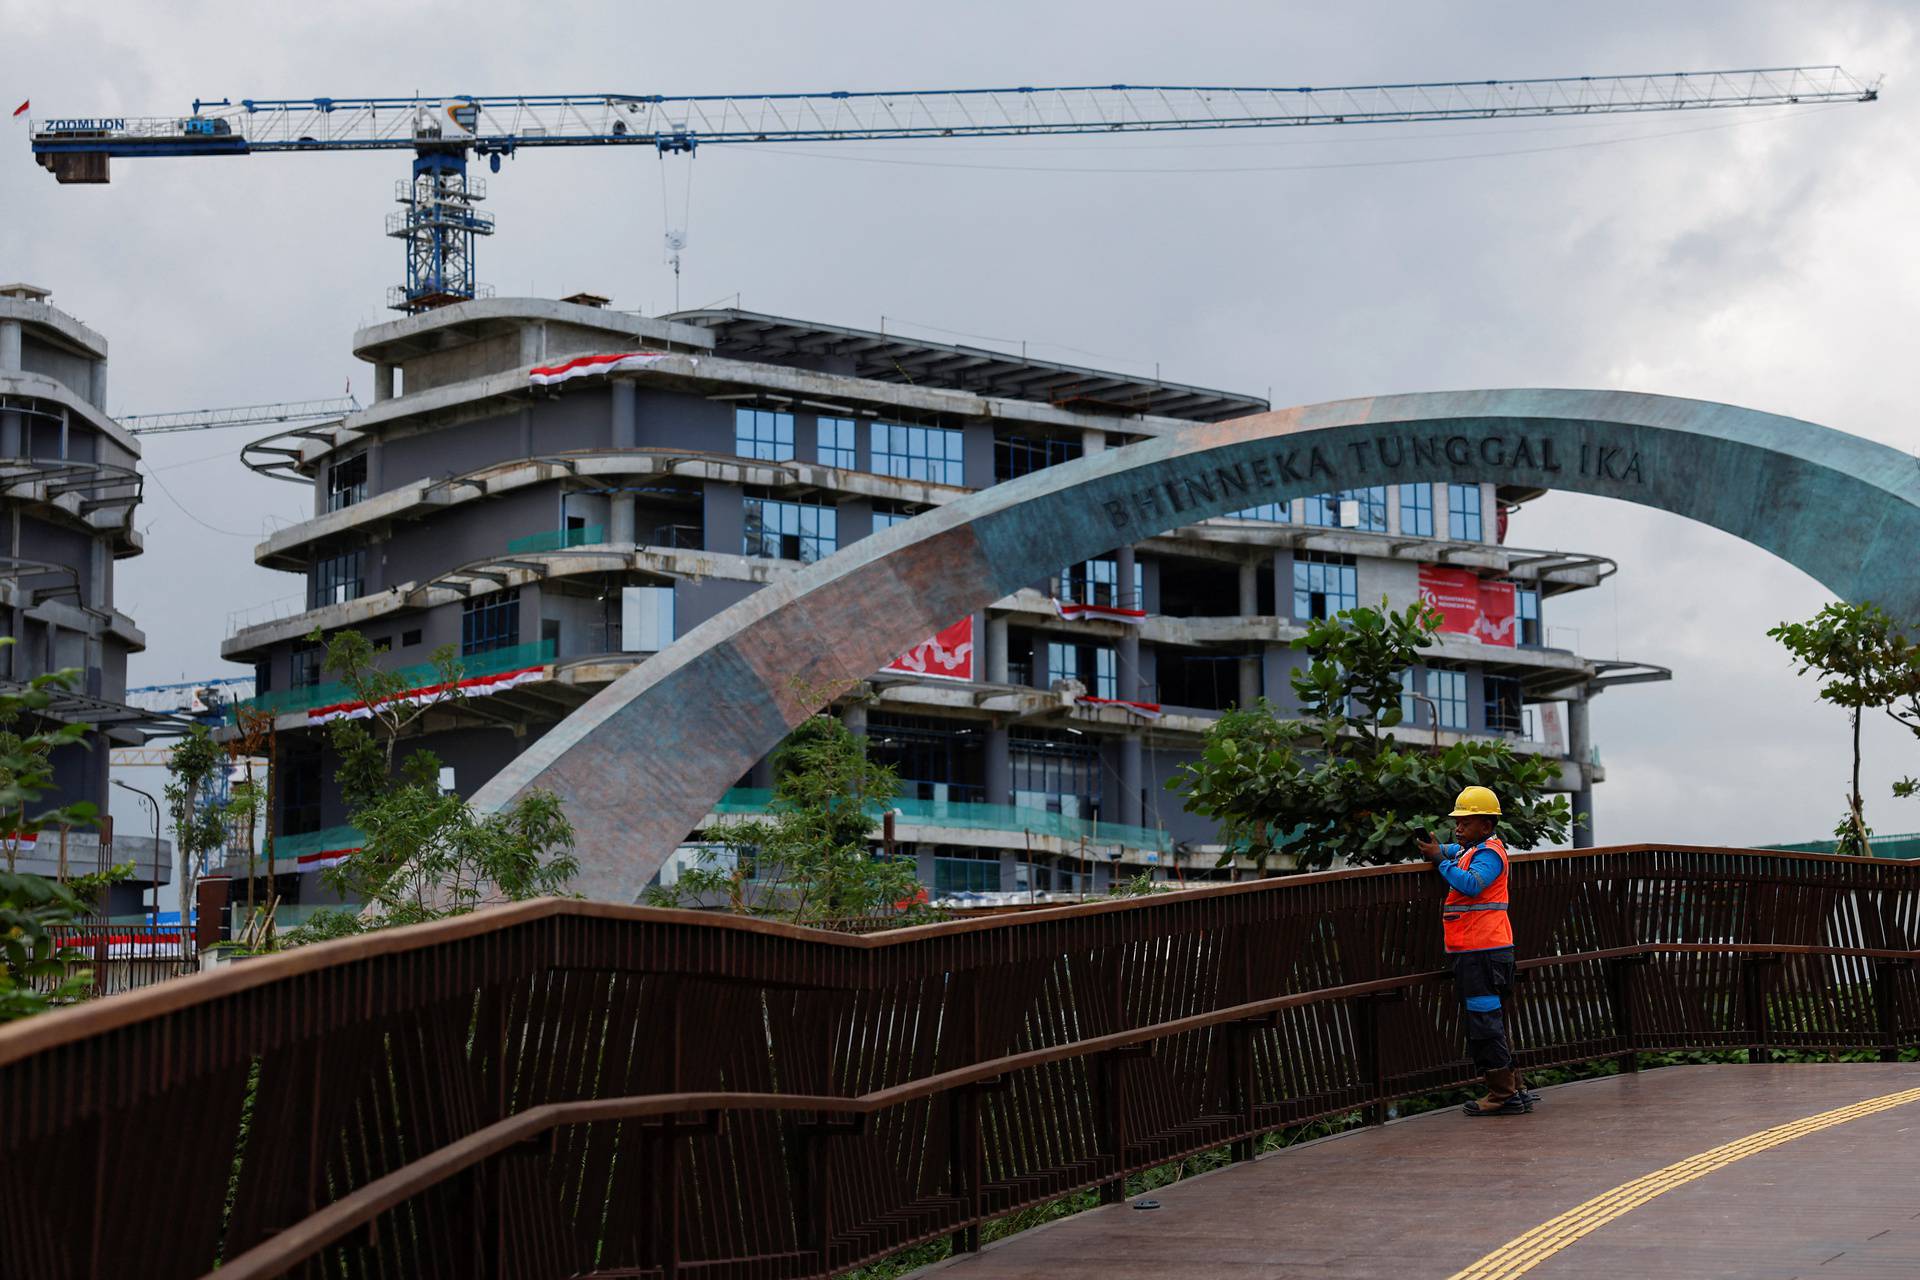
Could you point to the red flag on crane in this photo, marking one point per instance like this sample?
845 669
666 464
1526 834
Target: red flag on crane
22 109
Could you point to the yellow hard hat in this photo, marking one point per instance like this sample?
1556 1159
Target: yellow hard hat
1476 802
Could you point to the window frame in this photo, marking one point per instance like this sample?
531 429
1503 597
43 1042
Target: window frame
1416 500
1447 686
904 451
767 434
809 545
1458 514
1321 566
489 622
844 450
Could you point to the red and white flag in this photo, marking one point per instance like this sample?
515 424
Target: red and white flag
585 366
472 687
22 109
1073 611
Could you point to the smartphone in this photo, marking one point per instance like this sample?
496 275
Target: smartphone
1425 835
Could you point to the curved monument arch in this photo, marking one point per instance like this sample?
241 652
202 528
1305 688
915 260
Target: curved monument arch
642 763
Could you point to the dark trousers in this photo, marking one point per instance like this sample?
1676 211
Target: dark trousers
1486 978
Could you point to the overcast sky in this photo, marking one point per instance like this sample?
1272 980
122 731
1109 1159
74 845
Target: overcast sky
1762 258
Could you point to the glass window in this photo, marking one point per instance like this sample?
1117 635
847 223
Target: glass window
1324 584
1526 609
646 619
490 622
763 433
1463 512
1276 512
1093 582
965 871
1416 510
1016 456
778 530
1106 674
304 665
298 792
1409 705
932 454
1448 689
1056 773
836 443
1372 507
337 579
886 516
1322 509
1093 665
1505 712
347 482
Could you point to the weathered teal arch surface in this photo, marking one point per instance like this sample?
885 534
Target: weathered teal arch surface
643 762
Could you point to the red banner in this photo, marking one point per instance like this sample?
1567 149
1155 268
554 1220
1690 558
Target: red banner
946 656
1469 605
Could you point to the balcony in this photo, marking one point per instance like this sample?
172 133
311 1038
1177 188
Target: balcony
557 540
421 675
965 816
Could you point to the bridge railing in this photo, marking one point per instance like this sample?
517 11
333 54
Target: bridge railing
563 1087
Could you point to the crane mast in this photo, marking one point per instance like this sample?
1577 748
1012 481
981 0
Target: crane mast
439 222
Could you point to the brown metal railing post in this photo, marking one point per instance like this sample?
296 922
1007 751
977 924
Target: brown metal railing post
1113 1117
1886 1006
1753 993
1620 991
1239 1046
963 1111
1373 1065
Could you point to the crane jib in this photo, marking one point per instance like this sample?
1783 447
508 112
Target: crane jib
439 220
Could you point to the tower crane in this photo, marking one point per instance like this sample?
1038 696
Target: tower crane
243 415
439 220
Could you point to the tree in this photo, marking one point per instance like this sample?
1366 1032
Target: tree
425 854
1333 786
1864 662
199 824
253 732
32 906
810 860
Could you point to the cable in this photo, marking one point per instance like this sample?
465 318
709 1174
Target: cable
1275 168
196 519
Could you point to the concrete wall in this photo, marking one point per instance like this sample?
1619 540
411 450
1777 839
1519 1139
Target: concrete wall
75 371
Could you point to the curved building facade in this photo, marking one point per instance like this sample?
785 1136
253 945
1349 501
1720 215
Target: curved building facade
560 490
68 491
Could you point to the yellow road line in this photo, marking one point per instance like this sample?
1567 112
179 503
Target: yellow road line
1525 1252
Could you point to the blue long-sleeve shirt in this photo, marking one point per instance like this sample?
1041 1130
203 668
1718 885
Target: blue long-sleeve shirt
1481 869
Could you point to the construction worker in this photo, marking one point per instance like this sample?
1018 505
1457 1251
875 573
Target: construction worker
1479 940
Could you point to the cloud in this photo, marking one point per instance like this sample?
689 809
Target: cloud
1762 262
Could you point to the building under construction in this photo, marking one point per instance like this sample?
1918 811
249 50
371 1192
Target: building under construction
68 492
558 490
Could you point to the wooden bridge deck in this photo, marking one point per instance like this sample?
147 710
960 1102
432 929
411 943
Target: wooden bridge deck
1770 1172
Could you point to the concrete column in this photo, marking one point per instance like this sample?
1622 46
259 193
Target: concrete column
1123 570
97 386
1580 747
1008 874
533 344
999 766
11 444
854 716
9 346
620 518
625 405
1092 440
996 649
1249 608
383 378
1130 778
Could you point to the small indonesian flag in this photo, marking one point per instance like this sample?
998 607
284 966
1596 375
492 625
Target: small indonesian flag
472 687
1073 611
585 366
22 109
321 859
1145 710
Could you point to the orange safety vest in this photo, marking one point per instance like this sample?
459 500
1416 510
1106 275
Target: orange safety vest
1479 922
